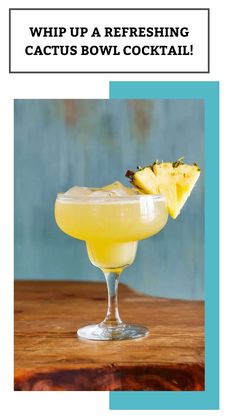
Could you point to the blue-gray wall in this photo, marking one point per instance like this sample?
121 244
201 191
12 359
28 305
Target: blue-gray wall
60 143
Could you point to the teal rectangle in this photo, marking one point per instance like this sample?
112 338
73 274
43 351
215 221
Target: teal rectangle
184 400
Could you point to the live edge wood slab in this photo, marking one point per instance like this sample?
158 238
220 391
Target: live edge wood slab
49 356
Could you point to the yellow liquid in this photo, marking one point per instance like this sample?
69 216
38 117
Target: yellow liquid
111 228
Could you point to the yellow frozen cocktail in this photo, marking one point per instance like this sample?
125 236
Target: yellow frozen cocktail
112 219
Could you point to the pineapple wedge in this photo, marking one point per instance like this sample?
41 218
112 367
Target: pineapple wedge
173 180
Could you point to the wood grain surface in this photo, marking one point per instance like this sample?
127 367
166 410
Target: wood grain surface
49 356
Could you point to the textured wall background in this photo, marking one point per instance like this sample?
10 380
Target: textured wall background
60 143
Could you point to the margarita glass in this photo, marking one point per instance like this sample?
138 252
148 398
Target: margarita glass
111 228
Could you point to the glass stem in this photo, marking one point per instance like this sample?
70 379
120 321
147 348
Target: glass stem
112 318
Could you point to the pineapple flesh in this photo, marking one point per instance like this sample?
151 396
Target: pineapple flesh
175 181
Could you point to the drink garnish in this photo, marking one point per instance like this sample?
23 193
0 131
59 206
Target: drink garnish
174 180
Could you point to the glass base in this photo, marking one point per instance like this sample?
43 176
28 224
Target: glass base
122 332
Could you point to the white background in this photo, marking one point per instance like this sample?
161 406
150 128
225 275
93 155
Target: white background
196 21
85 405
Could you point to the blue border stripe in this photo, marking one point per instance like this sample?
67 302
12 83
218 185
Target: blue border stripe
212 240
208 399
156 400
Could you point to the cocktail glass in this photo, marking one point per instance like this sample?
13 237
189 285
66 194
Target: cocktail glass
111 228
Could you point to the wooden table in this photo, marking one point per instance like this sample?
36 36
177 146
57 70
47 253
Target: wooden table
49 356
